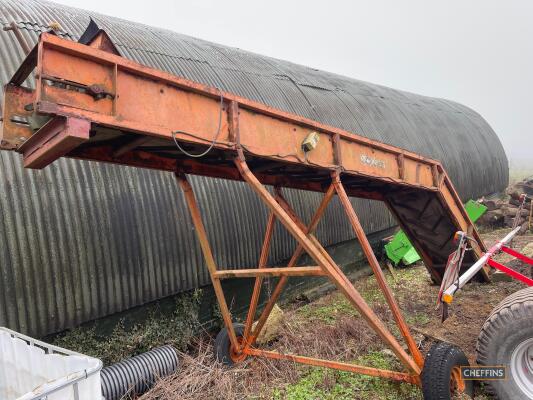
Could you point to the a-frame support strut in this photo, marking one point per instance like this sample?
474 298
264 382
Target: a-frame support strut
282 211
208 255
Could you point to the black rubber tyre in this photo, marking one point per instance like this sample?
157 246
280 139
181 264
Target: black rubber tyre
441 359
508 326
223 349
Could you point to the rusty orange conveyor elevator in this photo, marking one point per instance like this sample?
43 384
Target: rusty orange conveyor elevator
90 103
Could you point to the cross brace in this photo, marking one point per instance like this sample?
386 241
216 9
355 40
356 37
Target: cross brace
280 210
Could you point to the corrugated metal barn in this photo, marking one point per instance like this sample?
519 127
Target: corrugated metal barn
82 240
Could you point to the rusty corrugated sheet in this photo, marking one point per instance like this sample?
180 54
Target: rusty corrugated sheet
83 240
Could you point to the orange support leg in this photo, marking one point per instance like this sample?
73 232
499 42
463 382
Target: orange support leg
378 272
208 255
259 280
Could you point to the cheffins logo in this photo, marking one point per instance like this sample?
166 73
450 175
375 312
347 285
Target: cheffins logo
484 373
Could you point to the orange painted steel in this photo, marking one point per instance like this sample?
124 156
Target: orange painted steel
317 362
378 272
294 259
58 136
270 271
263 258
208 255
103 107
316 251
78 81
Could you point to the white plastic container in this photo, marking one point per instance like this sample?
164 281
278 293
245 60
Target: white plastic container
31 369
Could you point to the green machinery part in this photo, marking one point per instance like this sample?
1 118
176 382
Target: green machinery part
400 249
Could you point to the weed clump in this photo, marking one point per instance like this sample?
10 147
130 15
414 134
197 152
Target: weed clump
159 329
321 383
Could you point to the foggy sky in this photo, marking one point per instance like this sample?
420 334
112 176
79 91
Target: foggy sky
476 52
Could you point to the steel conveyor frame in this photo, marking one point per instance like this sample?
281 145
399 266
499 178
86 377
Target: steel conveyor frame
99 106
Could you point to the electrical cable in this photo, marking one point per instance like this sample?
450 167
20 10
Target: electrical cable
213 142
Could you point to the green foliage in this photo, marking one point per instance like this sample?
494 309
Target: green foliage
418 319
320 383
329 312
216 315
329 309
176 329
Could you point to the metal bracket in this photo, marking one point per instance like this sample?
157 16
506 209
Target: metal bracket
55 139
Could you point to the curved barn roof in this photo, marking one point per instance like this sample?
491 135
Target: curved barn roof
139 265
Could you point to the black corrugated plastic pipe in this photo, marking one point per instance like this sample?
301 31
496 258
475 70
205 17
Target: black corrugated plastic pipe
136 375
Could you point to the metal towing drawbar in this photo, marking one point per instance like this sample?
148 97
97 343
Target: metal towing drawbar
90 103
455 282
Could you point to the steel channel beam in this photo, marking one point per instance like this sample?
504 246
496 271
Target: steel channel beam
53 140
243 120
270 272
244 123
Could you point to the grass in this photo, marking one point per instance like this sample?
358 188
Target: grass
418 319
333 311
330 328
328 310
320 383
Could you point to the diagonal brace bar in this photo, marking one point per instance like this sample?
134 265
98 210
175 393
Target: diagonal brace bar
270 272
511 272
378 272
208 255
263 258
317 362
339 279
294 259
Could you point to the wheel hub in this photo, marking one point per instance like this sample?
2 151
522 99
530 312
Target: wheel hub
235 355
521 364
457 384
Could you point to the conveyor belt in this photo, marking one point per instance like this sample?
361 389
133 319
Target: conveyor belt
99 106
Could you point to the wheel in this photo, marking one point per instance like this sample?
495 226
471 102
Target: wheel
441 375
224 352
507 339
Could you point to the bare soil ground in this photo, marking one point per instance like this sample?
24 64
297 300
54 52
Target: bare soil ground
331 328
